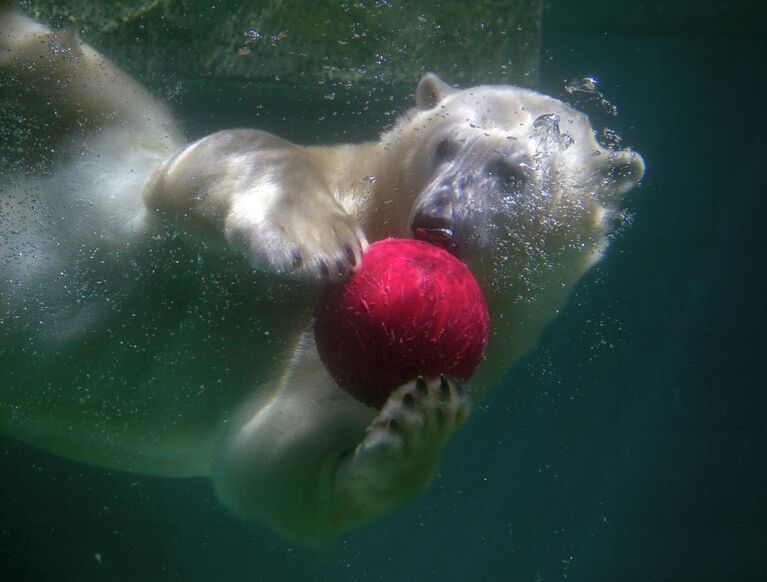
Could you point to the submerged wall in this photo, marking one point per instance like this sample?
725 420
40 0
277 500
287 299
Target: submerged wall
465 42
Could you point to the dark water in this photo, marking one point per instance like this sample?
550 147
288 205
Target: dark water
630 446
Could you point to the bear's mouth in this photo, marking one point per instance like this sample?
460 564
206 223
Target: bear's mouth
460 240
442 237
436 230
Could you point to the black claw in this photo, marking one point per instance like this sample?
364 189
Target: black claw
444 387
421 386
298 260
459 389
392 425
408 400
340 268
350 254
324 270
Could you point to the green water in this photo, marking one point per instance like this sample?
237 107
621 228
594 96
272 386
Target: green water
630 446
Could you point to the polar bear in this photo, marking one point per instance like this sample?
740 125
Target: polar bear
157 295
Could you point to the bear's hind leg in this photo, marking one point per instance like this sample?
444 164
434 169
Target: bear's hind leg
56 75
310 461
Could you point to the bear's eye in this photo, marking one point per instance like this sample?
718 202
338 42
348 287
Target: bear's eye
510 173
445 150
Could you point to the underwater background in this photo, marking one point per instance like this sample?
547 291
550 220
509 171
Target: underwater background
631 445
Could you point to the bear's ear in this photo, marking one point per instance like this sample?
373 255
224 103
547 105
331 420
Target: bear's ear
431 91
621 171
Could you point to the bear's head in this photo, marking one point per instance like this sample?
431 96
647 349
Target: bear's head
509 178
515 183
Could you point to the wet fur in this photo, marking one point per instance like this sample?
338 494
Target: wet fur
157 295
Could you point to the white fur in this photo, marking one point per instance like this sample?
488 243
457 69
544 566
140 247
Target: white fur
147 322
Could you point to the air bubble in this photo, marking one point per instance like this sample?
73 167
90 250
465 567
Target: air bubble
547 126
590 87
582 85
547 122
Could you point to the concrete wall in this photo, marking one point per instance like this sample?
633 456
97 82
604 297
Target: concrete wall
465 42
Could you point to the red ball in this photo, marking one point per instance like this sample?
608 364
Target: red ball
411 308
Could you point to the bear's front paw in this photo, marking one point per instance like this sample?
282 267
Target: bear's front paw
315 239
417 420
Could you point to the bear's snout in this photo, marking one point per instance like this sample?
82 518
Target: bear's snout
454 223
452 211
